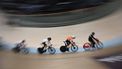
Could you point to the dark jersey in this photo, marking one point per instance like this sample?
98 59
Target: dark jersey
91 38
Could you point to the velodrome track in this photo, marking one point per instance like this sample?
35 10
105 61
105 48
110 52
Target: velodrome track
84 60
108 30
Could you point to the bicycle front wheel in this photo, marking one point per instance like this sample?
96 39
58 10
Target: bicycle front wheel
99 45
24 51
74 48
51 50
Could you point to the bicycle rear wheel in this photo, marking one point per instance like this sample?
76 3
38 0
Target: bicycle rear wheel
63 48
87 46
40 50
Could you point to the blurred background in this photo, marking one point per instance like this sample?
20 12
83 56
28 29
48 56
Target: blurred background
48 13
46 6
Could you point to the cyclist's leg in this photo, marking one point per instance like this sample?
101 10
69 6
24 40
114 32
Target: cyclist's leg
17 49
44 46
92 43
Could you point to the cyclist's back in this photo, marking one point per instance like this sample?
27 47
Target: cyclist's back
21 44
91 39
69 40
46 42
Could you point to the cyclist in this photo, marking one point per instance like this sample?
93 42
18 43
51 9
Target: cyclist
69 41
21 44
46 42
92 39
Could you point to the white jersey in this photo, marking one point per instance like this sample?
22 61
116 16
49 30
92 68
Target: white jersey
48 43
21 45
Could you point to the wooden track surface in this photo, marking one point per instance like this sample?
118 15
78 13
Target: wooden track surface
84 60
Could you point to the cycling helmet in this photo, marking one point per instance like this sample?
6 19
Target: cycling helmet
23 41
93 33
49 38
73 37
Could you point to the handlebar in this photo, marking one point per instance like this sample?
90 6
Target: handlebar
98 41
73 43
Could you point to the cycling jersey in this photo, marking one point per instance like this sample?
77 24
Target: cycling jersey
46 42
70 38
92 40
21 45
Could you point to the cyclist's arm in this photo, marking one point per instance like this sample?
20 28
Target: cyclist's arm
97 40
93 38
72 42
23 45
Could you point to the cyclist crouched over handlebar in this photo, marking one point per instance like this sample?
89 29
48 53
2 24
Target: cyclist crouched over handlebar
21 48
69 41
21 45
92 39
46 43
47 46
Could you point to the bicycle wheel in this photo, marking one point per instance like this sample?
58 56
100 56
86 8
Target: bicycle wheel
51 50
24 51
40 50
74 48
99 45
87 46
63 48
16 50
